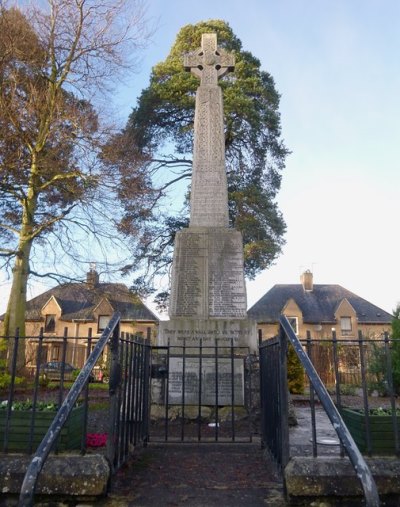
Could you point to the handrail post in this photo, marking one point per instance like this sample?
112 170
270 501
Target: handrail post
114 385
283 394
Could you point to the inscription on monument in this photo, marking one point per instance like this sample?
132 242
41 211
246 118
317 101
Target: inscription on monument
226 379
188 294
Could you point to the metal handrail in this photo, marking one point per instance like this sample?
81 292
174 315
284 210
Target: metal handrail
44 448
360 466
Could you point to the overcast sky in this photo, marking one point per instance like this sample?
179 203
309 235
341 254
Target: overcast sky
336 66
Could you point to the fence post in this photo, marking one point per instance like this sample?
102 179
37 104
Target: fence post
365 392
312 402
283 394
114 385
389 380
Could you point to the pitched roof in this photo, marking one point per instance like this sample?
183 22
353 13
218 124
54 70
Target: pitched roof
317 306
78 300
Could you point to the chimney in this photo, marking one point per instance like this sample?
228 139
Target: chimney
306 280
92 277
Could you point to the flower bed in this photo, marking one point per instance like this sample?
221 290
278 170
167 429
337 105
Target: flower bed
20 424
381 429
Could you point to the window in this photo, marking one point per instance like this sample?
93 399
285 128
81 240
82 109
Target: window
50 324
345 326
103 322
55 354
294 322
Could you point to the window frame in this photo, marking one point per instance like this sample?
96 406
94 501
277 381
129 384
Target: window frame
50 323
296 327
99 318
346 331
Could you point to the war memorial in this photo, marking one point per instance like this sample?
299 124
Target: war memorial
208 294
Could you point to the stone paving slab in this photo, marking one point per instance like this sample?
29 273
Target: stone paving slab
197 475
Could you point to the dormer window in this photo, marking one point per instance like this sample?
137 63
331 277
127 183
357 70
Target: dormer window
345 326
102 323
50 323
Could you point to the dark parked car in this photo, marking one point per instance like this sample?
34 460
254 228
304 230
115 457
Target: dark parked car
52 371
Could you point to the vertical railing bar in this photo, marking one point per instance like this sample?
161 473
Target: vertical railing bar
312 403
62 378
337 379
120 395
122 414
10 400
183 389
250 384
126 413
135 390
389 378
86 396
113 388
62 372
141 390
36 390
365 392
138 355
167 393
233 391
200 388
283 394
216 432
263 396
131 392
147 380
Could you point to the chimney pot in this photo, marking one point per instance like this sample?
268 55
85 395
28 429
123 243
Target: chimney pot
307 280
92 278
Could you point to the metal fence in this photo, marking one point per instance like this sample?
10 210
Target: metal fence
363 381
129 396
201 393
34 383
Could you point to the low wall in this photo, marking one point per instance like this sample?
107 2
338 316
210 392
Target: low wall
332 477
63 476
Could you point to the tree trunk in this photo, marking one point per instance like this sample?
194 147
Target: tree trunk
15 315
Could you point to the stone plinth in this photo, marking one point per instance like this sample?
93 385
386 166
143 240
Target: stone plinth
207 274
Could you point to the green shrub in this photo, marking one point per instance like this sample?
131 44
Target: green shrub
295 372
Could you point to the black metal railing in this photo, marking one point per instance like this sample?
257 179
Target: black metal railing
35 375
129 396
361 375
50 438
274 398
202 393
274 388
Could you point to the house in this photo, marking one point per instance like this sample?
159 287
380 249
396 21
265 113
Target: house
72 309
319 309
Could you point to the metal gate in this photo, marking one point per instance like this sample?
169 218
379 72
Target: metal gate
201 393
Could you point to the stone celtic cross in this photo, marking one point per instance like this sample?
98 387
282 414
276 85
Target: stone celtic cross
209 62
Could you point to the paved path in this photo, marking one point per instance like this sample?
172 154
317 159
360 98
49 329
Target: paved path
197 475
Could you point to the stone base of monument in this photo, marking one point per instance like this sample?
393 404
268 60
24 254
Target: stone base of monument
209 333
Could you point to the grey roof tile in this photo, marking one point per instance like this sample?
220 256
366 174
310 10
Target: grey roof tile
78 300
317 306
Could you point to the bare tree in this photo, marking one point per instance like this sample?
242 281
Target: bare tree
56 66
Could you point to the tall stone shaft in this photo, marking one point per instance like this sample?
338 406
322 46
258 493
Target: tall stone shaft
209 193
208 293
